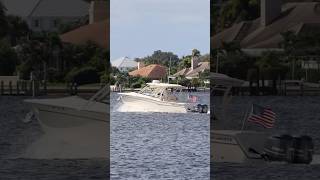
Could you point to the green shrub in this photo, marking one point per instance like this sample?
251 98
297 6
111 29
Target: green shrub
107 79
184 82
8 59
53 75
136 85
85 75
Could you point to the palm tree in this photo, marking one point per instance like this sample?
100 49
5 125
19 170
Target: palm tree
239 10
270 67
196 52
3 21
204 76
17 28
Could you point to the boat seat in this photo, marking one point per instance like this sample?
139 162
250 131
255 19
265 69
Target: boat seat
172 98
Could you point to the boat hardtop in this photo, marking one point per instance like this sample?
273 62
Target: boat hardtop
158 91
224 80
164 85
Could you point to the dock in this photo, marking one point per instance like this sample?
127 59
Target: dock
41 88
284 88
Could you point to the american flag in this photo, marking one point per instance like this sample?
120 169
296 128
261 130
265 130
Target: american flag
262 115
193 98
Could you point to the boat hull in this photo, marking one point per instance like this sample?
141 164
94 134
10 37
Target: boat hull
70 133
233 146
130 103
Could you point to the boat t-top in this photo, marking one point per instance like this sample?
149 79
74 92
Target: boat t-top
160 97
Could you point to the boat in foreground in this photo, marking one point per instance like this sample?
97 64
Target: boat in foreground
160 97
244 146
75 122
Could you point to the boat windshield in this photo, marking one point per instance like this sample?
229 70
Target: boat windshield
163 93
150 91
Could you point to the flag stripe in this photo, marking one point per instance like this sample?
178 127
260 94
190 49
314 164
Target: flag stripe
261 121
263 124
264 119
263 116
269 115
268 118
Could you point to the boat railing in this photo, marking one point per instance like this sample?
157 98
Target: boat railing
101 94
98 97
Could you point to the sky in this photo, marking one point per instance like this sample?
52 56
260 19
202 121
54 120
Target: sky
140 27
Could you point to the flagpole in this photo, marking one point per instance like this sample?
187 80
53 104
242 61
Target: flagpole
245 118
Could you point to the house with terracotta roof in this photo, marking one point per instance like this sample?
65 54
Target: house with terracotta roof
264 33
98 29
97 33
47 15
195 69
153 72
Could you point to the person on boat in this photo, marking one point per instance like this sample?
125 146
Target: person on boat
168 96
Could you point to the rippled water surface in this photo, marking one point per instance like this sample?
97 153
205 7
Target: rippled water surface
160 145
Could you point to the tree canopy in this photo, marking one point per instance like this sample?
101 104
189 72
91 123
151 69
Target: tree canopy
234 11
3 21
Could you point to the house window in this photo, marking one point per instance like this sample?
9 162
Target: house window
37 23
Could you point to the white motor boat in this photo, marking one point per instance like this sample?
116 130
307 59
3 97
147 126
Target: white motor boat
244 146
75 122
160 97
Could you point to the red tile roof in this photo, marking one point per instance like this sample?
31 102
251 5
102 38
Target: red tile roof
188 72
96 32
153 71
294 17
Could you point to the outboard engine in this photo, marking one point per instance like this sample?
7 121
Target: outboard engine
289 149
202 108
303 149
279 148
199 108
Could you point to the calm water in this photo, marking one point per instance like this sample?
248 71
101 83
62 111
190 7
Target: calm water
295 115
160 145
